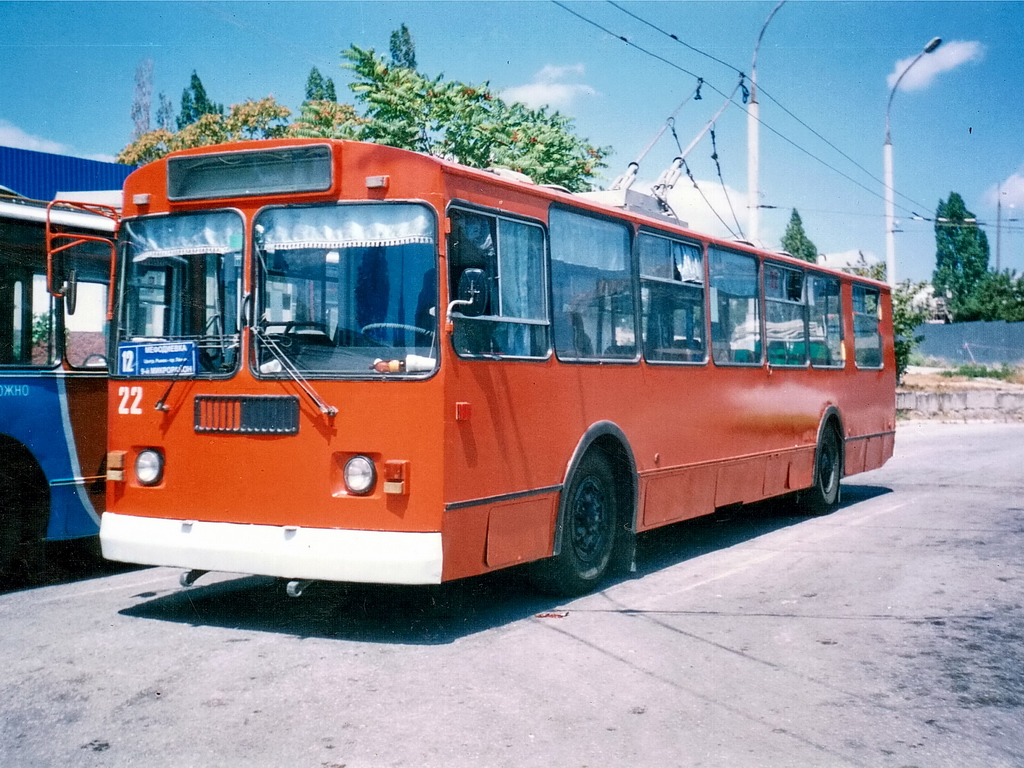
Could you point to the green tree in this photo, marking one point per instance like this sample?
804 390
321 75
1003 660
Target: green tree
796 242
195 104
961 254
403 50
319 88
996 296
468 124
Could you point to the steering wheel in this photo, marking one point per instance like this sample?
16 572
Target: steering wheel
95 360
397 327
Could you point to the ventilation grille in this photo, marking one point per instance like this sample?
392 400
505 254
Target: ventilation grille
247 414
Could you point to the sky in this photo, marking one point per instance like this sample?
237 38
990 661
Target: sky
825 72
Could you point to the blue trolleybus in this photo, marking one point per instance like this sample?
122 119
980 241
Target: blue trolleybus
53 375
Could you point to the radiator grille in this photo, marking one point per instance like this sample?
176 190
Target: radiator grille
247 414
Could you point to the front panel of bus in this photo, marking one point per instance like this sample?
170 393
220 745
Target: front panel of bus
275 403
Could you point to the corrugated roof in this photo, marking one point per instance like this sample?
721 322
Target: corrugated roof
40 175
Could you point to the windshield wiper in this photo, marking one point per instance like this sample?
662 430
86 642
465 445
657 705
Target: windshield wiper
288 367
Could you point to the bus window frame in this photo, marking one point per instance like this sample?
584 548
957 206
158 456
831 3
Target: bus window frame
116 322
633 265
802 303
712 294
253 307
460 204
854 285
683 240
812 274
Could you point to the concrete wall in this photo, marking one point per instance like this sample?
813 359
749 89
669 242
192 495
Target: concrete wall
978 404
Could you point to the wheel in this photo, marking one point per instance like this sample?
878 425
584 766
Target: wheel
588 531
23 519
822 497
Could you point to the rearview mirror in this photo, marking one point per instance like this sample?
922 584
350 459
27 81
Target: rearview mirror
472 292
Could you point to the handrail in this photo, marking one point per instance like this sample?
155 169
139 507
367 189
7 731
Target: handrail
76 239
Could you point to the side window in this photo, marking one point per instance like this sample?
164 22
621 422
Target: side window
867 341
672 294
514 318
785 316
27 331
825 326
592 286
735 308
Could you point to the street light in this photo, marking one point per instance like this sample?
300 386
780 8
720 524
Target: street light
890 213
753 159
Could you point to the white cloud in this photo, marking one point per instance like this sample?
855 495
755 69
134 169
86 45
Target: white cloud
550 89
1011 191
945 58
13 136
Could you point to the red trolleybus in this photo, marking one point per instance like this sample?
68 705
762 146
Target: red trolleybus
349 362
53 376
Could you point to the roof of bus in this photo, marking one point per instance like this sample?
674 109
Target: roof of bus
511 179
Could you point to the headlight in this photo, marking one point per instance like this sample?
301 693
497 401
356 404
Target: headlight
149 467
360 475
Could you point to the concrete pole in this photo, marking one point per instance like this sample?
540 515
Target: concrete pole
753 142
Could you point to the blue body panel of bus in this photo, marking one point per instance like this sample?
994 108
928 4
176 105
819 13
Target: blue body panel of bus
34 411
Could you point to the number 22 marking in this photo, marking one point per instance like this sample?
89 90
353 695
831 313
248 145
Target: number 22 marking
126 394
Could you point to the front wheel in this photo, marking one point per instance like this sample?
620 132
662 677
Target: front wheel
588 532
822 497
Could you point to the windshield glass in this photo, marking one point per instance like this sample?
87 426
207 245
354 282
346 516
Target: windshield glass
347 289
181 284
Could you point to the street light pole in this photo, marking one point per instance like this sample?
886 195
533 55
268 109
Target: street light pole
753 139
890 205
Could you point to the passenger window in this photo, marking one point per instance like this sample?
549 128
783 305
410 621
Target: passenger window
27 330
592 286
672 295
867 341
514 318
825 326
785 316
735 308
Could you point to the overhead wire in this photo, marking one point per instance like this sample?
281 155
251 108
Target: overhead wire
767 93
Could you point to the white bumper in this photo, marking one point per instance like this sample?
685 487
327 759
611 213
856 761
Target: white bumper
378 557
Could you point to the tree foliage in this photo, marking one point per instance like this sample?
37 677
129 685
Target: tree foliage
402 48
961 254
326 120
996 296
796 242
467 124
262 119
319 88
195 103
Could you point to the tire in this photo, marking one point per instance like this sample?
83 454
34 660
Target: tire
822 497
589 527
23 518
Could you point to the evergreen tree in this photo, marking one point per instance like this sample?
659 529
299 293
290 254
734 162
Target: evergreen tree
961 254
796 242
319 88
195 104
403 50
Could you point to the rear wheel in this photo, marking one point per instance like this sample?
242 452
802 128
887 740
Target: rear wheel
822 497
588 531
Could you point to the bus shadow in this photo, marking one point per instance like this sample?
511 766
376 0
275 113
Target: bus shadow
65 562
441 614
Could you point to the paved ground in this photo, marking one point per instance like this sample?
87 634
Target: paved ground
886 634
